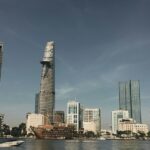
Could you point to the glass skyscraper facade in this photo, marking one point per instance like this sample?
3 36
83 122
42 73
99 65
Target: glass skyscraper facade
129 99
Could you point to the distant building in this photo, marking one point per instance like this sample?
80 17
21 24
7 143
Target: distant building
129 99
34 120
92 120
130 125
1 120
74 114
116 115
59 117
37 103
1 57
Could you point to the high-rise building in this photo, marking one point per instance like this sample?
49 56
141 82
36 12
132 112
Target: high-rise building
92 120
116 115
74 114
1 57
129 99
47 86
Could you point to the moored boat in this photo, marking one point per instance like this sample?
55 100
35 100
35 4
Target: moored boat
53 132
11 143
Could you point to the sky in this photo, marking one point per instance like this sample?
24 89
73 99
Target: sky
98 43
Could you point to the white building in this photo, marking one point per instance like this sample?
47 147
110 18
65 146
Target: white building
74 114
92 120
131 125
116 115
141 128
34 120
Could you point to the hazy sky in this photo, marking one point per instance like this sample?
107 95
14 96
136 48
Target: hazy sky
98 44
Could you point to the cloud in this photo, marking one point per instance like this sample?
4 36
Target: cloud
65 64
115 74
64 92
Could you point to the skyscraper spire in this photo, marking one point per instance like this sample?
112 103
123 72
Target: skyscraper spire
47 86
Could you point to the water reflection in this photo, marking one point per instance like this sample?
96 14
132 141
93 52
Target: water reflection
31 144
128 145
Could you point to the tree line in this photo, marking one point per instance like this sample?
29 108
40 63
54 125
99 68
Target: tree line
19 131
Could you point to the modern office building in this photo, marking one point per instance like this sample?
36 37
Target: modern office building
116 115
92 120
1 57
129 99
74 116
47 86
37 103
34 120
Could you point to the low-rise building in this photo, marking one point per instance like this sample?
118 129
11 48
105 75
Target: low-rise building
92 120
116 115
34 120
130 125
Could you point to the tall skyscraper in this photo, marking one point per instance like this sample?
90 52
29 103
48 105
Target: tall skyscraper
129 99
47 86
1 57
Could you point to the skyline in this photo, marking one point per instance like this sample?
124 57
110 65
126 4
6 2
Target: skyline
98 44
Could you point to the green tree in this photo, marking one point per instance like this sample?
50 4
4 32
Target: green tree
141 134
6 129
15 132
89 134
22 128
121 133
148 134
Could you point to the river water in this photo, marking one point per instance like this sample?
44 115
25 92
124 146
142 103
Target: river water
32 144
